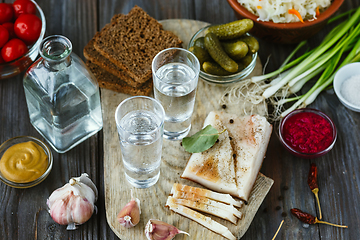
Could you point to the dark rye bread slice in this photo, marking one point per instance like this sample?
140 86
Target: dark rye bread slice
109 81
90 53
133 40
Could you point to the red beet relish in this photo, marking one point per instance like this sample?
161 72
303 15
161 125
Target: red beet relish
307 132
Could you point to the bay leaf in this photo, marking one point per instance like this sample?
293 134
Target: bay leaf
202 140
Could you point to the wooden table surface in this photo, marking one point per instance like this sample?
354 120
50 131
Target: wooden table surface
23 212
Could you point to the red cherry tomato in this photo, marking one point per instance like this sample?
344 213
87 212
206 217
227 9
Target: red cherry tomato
23 6
13 49
28 27
6 13
10 27
4 36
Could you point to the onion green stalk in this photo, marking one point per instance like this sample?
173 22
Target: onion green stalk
326 83
316 65
285 65
329 73
348 13
299 84
300 45
286 100
340 33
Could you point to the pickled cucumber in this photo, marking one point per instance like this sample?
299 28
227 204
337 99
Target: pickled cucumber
252 43
231 30
241 66
199 42
213 46
235 49
214 69
201 54
246 60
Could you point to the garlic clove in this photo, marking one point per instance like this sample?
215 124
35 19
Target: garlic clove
129 215
82 210
84 178
158 230
59 210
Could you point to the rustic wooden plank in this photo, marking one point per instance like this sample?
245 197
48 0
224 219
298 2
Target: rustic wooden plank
174 159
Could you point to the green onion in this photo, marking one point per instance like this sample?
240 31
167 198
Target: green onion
339 47
285 65
329 73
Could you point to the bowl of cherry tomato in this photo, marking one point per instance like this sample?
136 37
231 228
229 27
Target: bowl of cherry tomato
22 29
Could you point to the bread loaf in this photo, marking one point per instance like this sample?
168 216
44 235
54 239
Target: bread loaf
132 41
109 81
91 54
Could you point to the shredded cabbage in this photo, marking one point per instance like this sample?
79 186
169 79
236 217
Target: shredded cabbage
277 10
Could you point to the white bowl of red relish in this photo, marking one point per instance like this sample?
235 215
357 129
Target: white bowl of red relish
307 133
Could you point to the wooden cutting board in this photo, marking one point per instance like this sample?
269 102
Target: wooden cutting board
174 158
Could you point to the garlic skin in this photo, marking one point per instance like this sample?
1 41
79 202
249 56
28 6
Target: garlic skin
129 215
73 204
158 230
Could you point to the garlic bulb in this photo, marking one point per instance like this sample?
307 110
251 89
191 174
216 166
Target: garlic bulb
73 204
158 230
129 215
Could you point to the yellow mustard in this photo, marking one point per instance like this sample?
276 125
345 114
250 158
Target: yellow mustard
23 162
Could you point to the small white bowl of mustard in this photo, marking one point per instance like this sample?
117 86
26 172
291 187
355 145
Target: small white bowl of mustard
25 161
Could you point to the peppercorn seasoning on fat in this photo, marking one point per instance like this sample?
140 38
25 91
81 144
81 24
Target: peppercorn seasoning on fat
214 168
249 137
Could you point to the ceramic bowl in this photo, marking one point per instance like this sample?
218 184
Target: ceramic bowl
285 32
13 68
345 73
294 151
12 141
223 80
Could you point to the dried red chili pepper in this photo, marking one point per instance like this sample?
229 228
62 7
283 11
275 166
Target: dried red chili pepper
312 182
310 219
312 179
303 216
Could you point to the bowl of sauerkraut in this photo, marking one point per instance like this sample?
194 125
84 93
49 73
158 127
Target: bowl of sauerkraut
288 21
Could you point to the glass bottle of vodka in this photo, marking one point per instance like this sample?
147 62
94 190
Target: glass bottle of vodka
62 95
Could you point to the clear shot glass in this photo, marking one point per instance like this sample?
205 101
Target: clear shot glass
175 75
140 124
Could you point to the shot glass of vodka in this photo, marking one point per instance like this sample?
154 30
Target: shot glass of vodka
175 76
140 124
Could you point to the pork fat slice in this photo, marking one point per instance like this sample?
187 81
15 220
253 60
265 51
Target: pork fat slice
233 163
206 201
206 208
199 218
214 168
